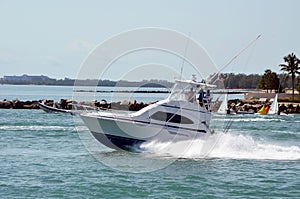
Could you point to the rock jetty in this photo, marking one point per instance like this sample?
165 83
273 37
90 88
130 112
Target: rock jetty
133 105
68 104
18 104
255 105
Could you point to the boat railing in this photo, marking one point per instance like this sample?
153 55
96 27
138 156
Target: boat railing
83 108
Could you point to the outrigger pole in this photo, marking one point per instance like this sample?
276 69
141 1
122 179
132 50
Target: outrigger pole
233 58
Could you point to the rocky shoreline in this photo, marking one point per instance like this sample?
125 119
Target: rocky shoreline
18 104
66 104
133 105
255 106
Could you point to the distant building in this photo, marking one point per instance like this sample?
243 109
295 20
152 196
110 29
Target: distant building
25 78
290 91
28 79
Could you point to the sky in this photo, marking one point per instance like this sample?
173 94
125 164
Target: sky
54 38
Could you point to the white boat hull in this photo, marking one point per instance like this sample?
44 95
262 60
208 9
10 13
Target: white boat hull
125 133
179 117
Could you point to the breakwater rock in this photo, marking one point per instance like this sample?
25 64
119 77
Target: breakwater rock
133 105
18 104
254 106
68 104
125 105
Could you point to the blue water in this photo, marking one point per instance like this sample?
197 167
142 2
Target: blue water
48 156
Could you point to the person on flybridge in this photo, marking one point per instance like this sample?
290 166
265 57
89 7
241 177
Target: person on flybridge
191 95
204 97
201 96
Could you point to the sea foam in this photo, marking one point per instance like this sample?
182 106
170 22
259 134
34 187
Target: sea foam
225 146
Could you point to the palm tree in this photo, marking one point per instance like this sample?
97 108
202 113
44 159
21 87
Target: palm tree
291 67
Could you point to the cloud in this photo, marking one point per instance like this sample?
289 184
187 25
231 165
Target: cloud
80 45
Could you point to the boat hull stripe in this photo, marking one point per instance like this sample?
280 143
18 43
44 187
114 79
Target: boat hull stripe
144 122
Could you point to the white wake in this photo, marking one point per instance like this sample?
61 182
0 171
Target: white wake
226 146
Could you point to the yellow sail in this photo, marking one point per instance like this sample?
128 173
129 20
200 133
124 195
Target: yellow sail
263 110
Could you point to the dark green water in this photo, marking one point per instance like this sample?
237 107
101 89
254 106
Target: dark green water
42 156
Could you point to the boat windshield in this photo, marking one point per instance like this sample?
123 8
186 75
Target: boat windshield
193 92
184 92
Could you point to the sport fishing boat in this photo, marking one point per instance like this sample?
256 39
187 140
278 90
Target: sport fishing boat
184 115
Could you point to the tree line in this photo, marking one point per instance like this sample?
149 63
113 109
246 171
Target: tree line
268 81
290 78
44 80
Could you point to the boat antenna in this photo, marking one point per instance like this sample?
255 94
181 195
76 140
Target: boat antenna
233 58
185 50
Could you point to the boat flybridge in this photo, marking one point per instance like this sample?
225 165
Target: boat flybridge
184 115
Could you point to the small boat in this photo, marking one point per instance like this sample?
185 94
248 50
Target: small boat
274 109
223 109
50 109
182 116
244 112
270 110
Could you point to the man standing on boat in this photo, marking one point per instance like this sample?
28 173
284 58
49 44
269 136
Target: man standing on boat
201 96
191 95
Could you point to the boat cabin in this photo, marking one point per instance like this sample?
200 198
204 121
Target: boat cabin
192 92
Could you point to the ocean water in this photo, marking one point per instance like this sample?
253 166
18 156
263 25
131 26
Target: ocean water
53 156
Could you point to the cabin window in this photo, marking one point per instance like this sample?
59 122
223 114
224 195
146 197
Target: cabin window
170 117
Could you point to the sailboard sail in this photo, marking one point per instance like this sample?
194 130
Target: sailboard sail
274 106
263 110
223 107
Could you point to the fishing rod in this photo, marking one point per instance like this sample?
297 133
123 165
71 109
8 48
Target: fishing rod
233 58
185 50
